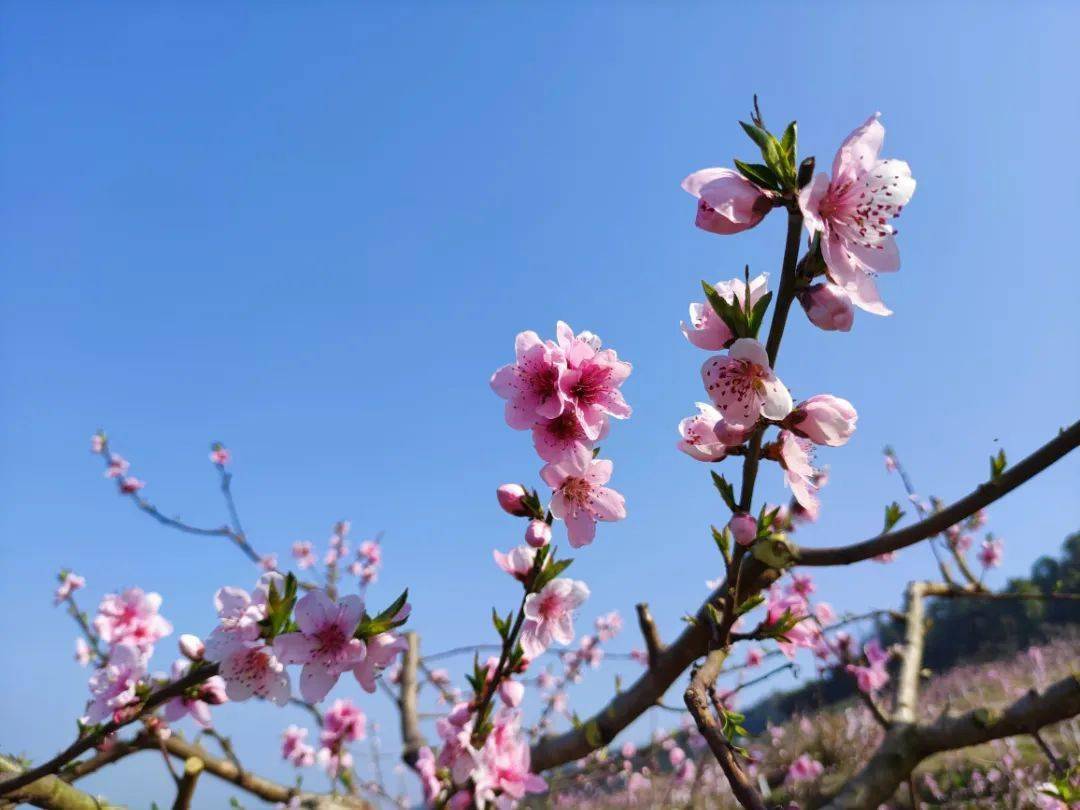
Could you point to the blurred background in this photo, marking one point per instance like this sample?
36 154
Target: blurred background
312 232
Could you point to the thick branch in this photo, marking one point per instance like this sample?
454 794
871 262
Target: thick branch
50 792
411 735
185 791
907 694
906 746
1057 448
697 702
653 645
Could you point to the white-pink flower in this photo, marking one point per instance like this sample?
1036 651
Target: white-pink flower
381 652
303 553
580 497
324 643
68 585
827 306
707 330
742 385
220 455
83 652
531 384
799 474
517 562
118 466
852 211
131 617
706 436
727 201
549 615
804 769
113 686
209 693
561 437
251 668
503 774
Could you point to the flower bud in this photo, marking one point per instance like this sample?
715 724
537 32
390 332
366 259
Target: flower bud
191 647
743 528
512 499
828 307
727 201
823 419
511 692
538 534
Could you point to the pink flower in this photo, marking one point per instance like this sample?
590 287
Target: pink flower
558 438
511 692
827 306
890 463
343 722
531 384
209 693
608 625
503 770
131 617
727 201
874 676
799 475
381 652
580 498
804 769
706 436
295 749
743 528
113 687
129 484
852 211
592 380
457 753
518 562
268 562
118 466
249 667
549 615
83 653
512 499
97 443
801 585
754 657
303 554
742 385
427 770
538 533
991 552
219 455
68 585
824 419
707 330
885 557
324 643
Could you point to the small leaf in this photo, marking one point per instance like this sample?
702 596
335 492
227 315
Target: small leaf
749 604
730 314
789 142
725 489
759 174
997 465
722 540
893 513
758 315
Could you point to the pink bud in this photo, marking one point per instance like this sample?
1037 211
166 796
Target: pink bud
727 201
191 647
538 534
824 419
512 499
511 692
828 307
743 528
731 435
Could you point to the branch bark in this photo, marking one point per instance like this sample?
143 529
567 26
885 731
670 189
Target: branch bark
1057 448
412 737
653 646
51 792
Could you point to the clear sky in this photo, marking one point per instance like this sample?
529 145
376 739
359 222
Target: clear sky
313 232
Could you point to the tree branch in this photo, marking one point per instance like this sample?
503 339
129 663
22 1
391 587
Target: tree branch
51 792
185 791
411 735
1061 445
653 645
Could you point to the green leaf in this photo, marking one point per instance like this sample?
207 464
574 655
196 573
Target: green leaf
715 616
997 465
759 174
774 551
789 143
384 621
730 314
727 492
770 148
550 572
893 513
749 604
722 540
758 315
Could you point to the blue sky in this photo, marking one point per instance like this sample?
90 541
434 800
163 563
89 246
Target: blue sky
313 234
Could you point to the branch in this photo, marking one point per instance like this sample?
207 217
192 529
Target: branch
88 741
649 632
1066 441
50 792
905 746
185 792
697 701
907 693
411 735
